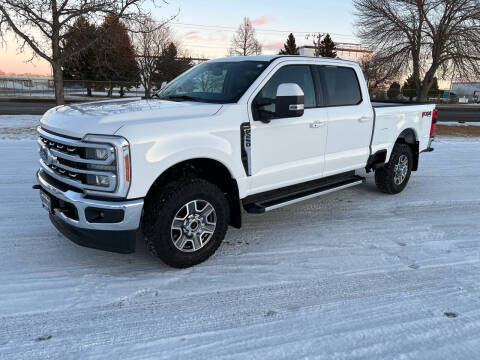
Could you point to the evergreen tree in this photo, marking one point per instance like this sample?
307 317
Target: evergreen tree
170 65
290 47
409 88
116 55
394 90
327 47
81 62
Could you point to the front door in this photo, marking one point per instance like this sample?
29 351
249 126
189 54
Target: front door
287 151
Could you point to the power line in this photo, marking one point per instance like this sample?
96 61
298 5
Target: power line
260 30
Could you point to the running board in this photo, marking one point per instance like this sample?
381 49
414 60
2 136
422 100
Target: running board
277 199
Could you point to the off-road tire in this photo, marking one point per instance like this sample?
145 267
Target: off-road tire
384 176
161 208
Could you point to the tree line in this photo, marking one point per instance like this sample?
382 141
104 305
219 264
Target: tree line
149 57
65 33
245 43
426 39
90 40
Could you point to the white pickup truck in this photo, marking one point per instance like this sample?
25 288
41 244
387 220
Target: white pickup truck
256 133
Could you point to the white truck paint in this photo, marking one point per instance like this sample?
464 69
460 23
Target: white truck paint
323 141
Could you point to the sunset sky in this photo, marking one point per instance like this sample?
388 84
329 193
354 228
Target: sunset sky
205 27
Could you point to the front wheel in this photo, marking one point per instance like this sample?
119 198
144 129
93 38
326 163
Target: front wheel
186 221
394 176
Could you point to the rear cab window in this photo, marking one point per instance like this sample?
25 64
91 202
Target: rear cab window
340 85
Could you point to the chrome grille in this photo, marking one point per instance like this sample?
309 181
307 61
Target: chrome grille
73 162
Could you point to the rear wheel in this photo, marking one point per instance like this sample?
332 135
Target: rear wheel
186 221
394 176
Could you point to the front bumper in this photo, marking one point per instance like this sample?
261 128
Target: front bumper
118 236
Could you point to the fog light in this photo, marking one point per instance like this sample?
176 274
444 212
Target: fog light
102 180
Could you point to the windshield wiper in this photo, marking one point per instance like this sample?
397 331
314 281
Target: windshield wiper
180 97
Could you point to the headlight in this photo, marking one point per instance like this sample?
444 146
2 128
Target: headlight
102 150
99 153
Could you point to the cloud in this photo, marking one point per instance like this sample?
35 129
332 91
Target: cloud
273 46
263 20
192 35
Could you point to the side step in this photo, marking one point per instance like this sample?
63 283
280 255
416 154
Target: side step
271 200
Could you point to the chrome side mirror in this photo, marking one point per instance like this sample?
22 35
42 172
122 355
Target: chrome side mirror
290 101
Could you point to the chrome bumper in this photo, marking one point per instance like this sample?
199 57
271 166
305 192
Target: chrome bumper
132 209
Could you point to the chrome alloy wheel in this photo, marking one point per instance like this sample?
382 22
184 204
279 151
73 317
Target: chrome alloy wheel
400 170
193 225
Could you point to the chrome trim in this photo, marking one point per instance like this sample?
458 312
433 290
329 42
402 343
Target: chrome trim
77 143
78 159
296 107
132 209
76 183
122 148
81 171
117 147
276 206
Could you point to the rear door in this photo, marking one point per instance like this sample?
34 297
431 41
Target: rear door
286 151
350 119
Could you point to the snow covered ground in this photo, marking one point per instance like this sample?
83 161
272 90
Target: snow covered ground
18 126
355 274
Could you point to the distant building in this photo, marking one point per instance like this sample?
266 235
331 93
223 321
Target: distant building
346 51
467 89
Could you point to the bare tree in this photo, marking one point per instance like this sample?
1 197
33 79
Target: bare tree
43 24
244 42
424 36
378 70
150 41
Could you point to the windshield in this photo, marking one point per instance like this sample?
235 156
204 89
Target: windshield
217 82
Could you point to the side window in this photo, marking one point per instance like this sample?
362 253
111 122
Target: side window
298 74
341 85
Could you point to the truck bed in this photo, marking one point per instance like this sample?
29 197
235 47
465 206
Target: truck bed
391 118
381 104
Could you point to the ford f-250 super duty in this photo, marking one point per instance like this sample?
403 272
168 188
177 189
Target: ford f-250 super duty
253 132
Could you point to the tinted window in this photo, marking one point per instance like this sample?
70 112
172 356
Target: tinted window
298 74
215 81
341 85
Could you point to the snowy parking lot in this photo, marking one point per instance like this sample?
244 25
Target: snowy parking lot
355 274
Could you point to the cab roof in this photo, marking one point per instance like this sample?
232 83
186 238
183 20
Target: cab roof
271 58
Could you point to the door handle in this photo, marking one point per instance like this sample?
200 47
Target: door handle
364 119
317 124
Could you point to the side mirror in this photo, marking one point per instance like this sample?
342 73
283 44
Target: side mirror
164 84
290 101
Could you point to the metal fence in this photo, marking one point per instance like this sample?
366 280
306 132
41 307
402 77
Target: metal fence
80 89
437 97
44 88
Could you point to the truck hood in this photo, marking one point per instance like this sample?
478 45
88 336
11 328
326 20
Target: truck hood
107 117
